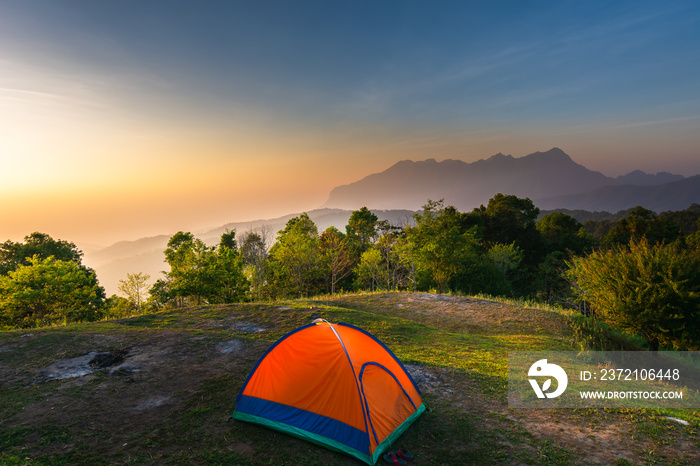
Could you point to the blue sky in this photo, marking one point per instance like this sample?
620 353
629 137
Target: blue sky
223 111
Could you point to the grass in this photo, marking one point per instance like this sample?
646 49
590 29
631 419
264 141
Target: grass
462 342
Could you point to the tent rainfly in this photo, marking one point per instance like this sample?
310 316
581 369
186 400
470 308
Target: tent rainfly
335 385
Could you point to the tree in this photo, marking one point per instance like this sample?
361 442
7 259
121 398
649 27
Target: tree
362 225
391 245
135 288
254 253
438 245
652 290
509 219
370 270
643 223
12 254
505 257
295 258
563 236
562 232
228 240
192 264
206 274
229 282
336 256
49 292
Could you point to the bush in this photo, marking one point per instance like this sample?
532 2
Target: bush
49 292
653 291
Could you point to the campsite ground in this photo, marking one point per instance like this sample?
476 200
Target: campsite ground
161 386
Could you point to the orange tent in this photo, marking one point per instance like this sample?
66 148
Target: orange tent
335 385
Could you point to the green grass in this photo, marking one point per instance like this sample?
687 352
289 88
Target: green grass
463 342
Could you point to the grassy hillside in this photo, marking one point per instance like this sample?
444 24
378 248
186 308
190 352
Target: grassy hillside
161 386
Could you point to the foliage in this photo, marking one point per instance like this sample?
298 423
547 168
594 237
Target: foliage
12 254
362 226
505 257
135 288
652 290
370 271
117 307
230 283
296 259
643 223
49 292
439 246
254 254
337 257
200 273
499 249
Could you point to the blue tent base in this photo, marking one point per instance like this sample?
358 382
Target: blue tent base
330 443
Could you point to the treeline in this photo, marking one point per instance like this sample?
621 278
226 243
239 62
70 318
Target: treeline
498 249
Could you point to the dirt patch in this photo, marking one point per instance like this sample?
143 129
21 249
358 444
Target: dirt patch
79 366
231 346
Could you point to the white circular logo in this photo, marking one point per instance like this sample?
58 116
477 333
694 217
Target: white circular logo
543 369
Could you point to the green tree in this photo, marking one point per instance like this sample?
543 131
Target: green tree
438 244
370 271
135 288
362 226
49 292
643 223
254 253
229 282
391 245
563 236
562 232
12 254
652 290
296 259
228 241
117 307
509 219
202 273
336 256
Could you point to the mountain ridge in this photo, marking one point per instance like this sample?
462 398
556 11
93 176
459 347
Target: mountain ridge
547 175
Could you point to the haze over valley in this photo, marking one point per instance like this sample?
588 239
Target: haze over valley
550 178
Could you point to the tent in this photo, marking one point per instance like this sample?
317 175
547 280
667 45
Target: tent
335 385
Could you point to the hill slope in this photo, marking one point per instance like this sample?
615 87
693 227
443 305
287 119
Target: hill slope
161 386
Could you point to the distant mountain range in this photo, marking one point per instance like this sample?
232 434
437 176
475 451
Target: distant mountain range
551 179
146 254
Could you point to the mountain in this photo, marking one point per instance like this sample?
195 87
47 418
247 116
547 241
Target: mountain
408 184
676 195
640 178
551 176
146 254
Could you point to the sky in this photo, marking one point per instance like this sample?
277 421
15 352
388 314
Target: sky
132 118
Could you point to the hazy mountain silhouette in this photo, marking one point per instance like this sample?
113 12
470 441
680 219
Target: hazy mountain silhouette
541 175
640 178
676 195
146 254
